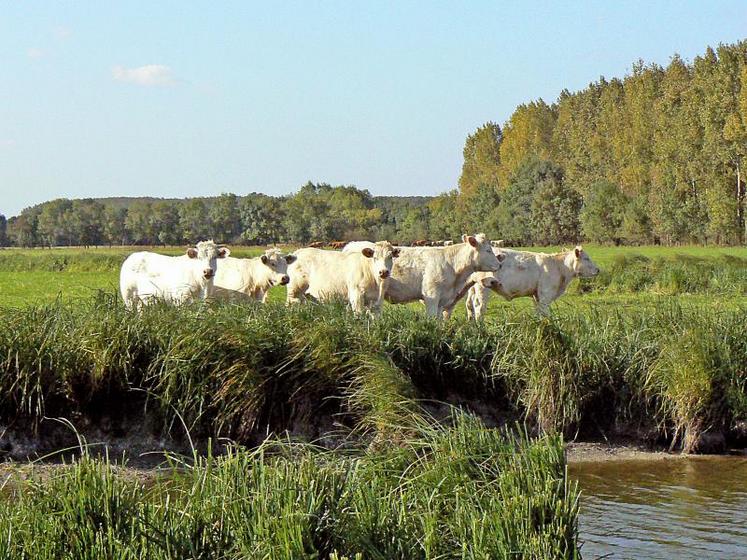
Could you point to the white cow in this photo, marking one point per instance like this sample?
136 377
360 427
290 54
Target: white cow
359 276
437 276
252 278
542 276
146 276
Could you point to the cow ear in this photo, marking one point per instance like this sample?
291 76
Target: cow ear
192 253
223 252
464 238
578 250
290 258
395 253
264 259
367 252
472 240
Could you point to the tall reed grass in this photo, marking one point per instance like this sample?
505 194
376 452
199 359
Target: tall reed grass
458 492
318 371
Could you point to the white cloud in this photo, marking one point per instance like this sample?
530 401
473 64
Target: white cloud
35 53
62 32
148 75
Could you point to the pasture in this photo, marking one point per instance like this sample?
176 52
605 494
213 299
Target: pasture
312 433
44 275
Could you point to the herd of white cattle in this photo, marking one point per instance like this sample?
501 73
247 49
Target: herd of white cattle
363 272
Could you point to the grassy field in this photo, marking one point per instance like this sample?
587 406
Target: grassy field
44 275
654 349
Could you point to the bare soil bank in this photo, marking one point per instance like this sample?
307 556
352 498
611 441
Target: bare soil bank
138 442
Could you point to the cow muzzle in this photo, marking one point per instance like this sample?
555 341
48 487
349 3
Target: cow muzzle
284 280
384 274
208 273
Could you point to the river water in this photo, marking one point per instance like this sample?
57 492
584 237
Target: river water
663 509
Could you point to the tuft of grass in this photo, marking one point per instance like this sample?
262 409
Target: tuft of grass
700 377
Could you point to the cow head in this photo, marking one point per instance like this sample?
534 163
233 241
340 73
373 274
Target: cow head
581 263
206 255
490 282
277 266
381 255
483 257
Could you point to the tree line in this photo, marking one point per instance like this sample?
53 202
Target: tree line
315 212
654 157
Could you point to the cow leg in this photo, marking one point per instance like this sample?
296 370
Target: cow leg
543 297
432 308
356 299
470 304
383 285
295 294
480 301
131 301
449 307
139 304
377 306
477 300
541 306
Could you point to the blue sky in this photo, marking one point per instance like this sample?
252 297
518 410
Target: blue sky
187 99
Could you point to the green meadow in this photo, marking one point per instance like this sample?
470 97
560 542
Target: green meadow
695 273
307 432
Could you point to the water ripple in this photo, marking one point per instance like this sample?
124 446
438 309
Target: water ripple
664 509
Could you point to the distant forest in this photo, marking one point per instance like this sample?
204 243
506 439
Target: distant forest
655 157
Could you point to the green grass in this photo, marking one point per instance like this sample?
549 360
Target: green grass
43 275
244 370
98 259
46 275
655 349
604 255
23 288
638 286
457 492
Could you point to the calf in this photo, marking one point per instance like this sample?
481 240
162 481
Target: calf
542 276
146 276
438 275
360 276
252 278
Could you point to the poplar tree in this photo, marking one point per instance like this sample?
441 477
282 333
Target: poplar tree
482 159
